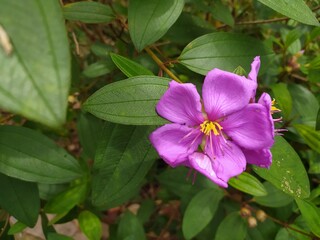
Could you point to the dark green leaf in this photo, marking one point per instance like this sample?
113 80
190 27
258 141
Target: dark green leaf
31 156
122 160
291 37
310 136
222 13
35 78
128 67
149 23
130 228
88 12
287 171
146 208
20 199
283 98
56 236
200 211
131 101
311 214
318 121
90 225
223 50
248 184
232 227
295 9
275 197
17 228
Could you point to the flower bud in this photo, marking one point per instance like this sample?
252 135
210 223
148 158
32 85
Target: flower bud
261 215
245 212
252 222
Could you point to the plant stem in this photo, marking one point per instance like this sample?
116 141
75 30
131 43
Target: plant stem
161 64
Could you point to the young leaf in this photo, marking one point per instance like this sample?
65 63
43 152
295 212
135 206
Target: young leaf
17 228
122 160
311 214
20 199
248 184
287 171
149 23
90 225
31 156
232 227
200 211
295 9
310 136
130 228
131 101
128 67
274 198
88 12
223 50
35 78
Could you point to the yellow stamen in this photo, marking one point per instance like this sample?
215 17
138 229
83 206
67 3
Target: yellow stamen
273 108
207 126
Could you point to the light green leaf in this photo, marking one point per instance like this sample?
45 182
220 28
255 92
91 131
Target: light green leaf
287 171
98 69
128 67
200 212
90 225
149 23
35 77
88 12
248 184
31 156
295 9
130 228
274 198
311 214
225 51
309 135
20 199
232 227
304 105
283 98
131 101
122 160
17 228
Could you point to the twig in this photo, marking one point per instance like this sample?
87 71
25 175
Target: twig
161 65
76 43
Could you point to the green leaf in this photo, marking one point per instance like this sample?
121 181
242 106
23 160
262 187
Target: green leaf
291 37
274 198
225 51
222 13
56 236
98 69
232 227
88 12
31 156
287 171
90 225
131 101
304 105
283 98
20 199
200 212
66 200
295 9
149 23
318 121
17 228
122 160
311 215
35 78
130 228
146 208
128 67
248 184
309 135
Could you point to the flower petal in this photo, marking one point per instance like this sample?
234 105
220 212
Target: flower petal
255 66
181 104
203 164
261 158
225 93
175 142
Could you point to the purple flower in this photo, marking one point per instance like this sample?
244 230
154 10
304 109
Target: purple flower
218 134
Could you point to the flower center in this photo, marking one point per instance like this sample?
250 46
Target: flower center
273 108
207 126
